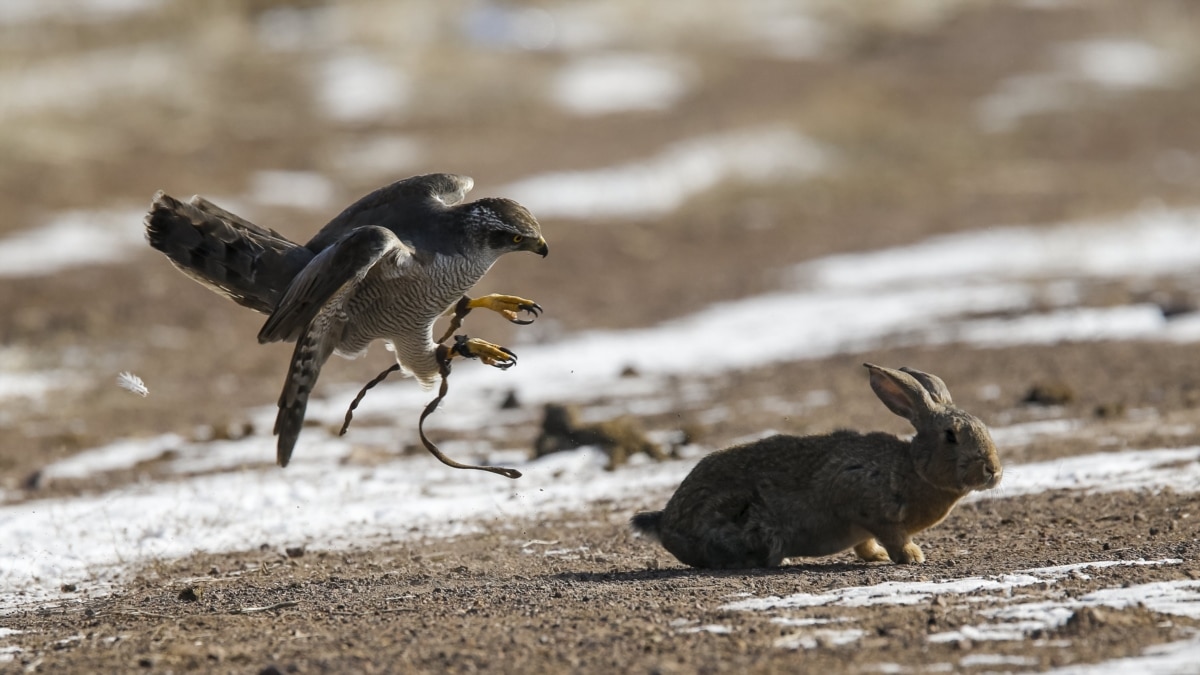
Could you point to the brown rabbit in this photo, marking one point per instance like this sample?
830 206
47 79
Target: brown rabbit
753 505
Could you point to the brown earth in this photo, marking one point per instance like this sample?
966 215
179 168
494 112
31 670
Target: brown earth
504 601
894 100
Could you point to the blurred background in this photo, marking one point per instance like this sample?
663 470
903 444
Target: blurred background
677 153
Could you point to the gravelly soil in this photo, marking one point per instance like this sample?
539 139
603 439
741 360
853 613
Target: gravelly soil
579 594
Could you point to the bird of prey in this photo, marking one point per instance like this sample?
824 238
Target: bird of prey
384 269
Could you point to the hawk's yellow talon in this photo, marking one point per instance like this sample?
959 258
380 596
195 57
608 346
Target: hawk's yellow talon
474 348
508 306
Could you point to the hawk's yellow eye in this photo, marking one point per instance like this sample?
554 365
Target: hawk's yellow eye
518 238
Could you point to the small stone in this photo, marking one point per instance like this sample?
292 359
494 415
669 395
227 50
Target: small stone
510 402
68 588
190 594
1049 393
294 551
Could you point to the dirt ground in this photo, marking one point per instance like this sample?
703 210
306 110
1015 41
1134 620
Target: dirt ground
578 592
510 600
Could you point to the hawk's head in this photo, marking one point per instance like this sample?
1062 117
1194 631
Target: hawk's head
503 226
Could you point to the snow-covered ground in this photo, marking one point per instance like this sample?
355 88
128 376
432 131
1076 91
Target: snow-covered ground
833 305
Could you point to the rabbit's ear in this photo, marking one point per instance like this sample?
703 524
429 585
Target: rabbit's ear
900 392
933 384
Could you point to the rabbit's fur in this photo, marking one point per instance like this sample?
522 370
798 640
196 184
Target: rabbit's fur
753 505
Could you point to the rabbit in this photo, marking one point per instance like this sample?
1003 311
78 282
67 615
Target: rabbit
755 504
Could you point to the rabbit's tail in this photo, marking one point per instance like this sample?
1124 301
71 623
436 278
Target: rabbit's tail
648 523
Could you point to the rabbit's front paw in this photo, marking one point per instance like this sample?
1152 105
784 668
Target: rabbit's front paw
908 554
871 551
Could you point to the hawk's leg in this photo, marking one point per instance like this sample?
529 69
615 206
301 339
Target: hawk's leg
474 348
508 306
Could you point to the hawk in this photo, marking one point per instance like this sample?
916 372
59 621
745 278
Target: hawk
384 269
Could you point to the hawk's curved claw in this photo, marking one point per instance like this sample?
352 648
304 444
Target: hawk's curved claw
508 306
533 308
493 355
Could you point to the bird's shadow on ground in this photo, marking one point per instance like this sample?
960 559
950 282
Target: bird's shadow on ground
810 570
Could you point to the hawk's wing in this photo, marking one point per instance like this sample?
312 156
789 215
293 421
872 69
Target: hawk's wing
344 263
411 208
314 308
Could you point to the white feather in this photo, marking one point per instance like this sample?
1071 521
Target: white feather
130 382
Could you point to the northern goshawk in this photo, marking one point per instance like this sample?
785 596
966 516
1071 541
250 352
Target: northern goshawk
385 268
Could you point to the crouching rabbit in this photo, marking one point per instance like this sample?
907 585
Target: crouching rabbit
784 496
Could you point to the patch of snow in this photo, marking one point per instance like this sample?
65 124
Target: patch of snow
661 183
34 385
72 239
291 189
1105 249
9 653
1002 632
821 637
1067 570
886 593
617 82
797 622
123 454
784 31
1112 65
716 629
320 499
50 540
380 155
5 632
917 592
82 81
79 11
1176 468
355 86
996 660
1019 619
1173 658
1025 432
1118 63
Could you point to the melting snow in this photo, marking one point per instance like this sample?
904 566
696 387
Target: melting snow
321 502
608 83
355 86
1175 658
32 11
82 81
820 637
1110 65
661 183
292 189
71 239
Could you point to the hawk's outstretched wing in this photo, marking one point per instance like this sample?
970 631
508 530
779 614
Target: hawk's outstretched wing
313 311
346 261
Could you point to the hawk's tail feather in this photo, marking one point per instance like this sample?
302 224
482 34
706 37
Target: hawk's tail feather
249 264
308 357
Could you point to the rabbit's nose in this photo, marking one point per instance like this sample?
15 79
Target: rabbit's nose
993 473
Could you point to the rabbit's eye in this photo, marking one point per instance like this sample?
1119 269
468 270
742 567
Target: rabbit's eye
951 437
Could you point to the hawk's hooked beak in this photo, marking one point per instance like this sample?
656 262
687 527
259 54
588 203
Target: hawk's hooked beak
539 247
